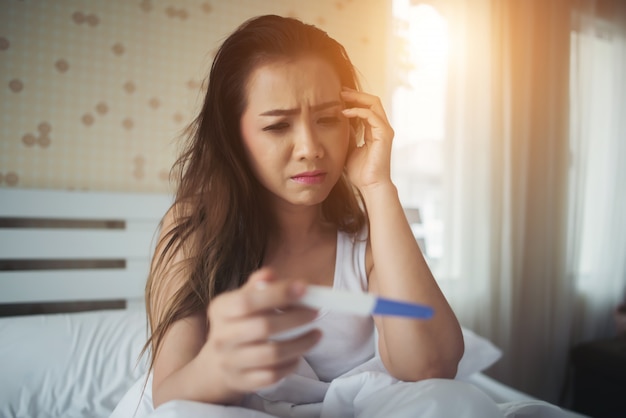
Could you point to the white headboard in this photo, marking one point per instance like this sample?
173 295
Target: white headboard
66 246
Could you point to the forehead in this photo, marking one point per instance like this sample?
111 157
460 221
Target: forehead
287 84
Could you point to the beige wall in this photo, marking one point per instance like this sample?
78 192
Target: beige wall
94 93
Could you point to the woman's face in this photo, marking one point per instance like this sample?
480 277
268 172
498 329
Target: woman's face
294 134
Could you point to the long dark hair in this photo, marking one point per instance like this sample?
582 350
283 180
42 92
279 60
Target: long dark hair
221 218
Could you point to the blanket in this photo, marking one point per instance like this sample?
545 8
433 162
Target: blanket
368 391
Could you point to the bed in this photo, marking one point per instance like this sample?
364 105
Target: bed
73 266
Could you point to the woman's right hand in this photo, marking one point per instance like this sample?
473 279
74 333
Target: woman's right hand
241 322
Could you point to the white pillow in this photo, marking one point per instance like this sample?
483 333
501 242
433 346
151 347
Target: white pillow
479 354
69 365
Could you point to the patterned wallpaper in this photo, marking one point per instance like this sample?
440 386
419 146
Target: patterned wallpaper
95 94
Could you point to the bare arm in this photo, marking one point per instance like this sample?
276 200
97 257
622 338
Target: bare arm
410 349
176 374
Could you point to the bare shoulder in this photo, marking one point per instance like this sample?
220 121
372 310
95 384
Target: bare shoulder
183 338
169 267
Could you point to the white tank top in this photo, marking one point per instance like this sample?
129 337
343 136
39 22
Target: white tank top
347 340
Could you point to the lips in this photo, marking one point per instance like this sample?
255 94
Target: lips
310 177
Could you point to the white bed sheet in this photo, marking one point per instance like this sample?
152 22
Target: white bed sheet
504 394
69 365
80 365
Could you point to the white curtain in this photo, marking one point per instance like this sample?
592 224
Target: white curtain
597 250
534 253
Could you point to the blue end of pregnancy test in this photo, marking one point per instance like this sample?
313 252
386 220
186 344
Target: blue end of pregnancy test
395 308
361 303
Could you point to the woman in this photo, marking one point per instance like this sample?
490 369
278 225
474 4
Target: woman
274 194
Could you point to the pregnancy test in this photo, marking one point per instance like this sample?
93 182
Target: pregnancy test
321 297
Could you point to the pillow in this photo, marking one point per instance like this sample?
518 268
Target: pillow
479 354
69 365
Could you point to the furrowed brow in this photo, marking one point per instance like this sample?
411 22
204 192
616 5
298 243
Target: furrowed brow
291 112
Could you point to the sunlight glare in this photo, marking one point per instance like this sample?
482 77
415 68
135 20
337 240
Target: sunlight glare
422 51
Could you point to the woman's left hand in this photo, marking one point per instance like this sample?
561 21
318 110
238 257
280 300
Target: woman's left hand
370 164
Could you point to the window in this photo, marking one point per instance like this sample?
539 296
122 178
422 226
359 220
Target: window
417 113
595 80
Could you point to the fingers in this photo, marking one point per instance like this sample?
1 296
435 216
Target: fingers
261 308
365 100
241 326
369 109
261 293
262 327
255 366
262 276
371 117
252 380
271 354
260 378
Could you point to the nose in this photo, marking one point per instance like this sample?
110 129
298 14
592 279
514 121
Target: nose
307 144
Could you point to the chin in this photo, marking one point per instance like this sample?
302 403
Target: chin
307 199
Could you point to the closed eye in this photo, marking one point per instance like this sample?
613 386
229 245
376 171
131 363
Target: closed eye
277 127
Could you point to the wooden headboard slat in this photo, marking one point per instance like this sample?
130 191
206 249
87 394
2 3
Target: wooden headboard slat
64 204
18 309
40 223
75 246
61 264
72 285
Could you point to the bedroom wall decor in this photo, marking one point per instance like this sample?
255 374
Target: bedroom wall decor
94 95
